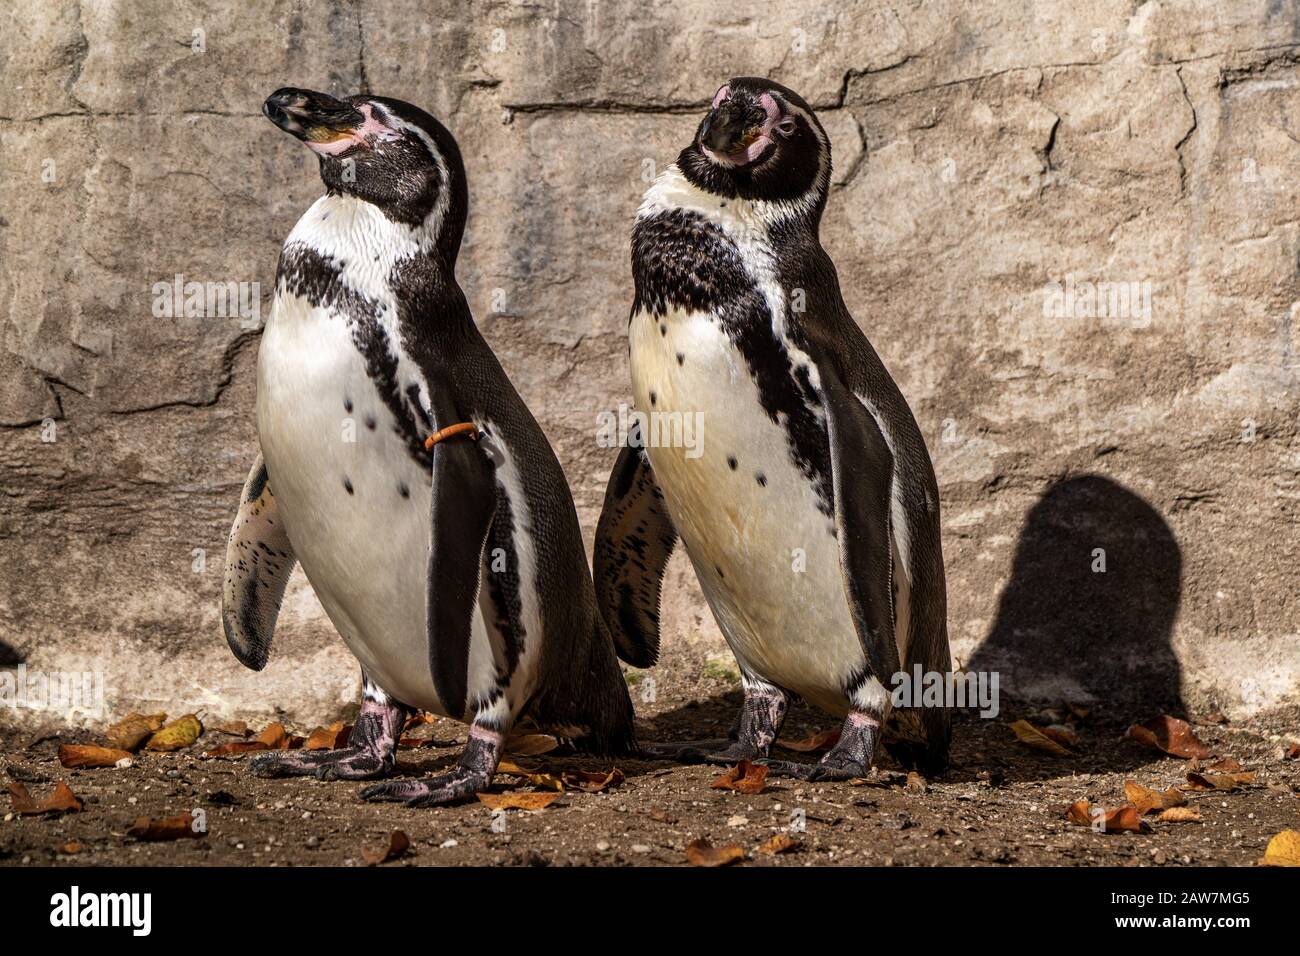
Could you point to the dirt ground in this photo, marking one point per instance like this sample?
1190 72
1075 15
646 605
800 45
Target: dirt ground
1001 803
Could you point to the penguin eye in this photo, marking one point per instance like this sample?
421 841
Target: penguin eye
786 127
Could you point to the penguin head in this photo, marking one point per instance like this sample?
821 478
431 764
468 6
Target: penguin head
761 141
380 150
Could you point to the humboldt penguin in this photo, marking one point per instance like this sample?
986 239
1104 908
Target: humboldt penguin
811 515
400 468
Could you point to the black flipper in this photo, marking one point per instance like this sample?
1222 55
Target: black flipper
634 540
259 560
862 469
464 501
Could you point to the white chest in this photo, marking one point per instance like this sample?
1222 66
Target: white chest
748 517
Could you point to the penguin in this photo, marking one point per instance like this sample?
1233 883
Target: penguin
400 468
809 509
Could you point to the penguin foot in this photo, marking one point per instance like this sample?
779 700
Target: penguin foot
350 763
478 762
851 756
371 750
461 784
724 750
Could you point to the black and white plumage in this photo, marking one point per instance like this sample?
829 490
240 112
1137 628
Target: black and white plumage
812 515
456 575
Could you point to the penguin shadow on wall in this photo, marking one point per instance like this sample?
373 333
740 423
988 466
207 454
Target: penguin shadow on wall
1087 619
10 656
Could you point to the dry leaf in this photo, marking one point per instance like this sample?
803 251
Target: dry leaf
1122 818
62 800
1179 815
133 730
518 801
1147 800
1169 735
1218 781
1032 737
233 728
71 848
531 745
745 777
916 783
703 853
592 781
89 755
236 747
1063 735
1283 850
780 843
821 741
398 844
180 733
328 738
178 827
538 778
1290 750
418 718
274 737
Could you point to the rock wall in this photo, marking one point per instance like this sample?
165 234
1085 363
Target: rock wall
1071 230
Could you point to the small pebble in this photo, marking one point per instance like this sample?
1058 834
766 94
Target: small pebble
448 844
640 848
602 846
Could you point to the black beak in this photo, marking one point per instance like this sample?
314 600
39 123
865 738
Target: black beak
311 116
726 128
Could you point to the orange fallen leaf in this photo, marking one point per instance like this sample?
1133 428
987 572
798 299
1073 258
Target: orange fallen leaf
1122 818
178 827
62 800
592 781
1032 737
821 741
236 747
1291 750
275 737
71 848
1179 815
418 718
180 733
1063 735
703 853
133 730
328 738
518 801
90 755
745 777
916 783
1169 735
779 843
1225 782
531 745
398 844
1147 800
1283 850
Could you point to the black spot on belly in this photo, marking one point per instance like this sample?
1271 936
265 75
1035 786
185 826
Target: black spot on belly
370 422
680 358
652 398
347 484
761 479
347 404
403 490
663 329
719 570
731 462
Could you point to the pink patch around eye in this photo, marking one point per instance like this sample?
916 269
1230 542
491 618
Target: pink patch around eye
721 95
769 105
